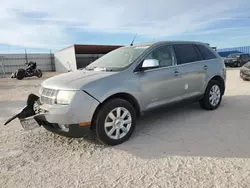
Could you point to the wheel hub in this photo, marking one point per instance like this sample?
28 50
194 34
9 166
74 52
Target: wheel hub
118 123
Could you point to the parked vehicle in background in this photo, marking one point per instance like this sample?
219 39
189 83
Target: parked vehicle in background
236 59
30 71
112 92
245 72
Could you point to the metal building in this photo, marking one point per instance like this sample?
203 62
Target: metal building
78 56
227 51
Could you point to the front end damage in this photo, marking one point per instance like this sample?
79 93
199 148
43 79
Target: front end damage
32 116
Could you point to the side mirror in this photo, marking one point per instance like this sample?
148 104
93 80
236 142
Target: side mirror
150 63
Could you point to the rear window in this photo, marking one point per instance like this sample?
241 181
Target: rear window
186 53
206 52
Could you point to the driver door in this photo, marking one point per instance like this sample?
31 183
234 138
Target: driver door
159 85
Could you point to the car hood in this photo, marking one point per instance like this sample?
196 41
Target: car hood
74 80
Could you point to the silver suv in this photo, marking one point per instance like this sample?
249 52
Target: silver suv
111 93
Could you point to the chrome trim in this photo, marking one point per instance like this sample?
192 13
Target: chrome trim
48 95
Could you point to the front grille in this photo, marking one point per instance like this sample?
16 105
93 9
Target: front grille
48 96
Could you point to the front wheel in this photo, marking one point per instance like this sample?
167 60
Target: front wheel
212 97
39 73
115 122
20 74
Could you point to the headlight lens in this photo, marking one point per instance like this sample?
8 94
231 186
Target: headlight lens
64 97
234 59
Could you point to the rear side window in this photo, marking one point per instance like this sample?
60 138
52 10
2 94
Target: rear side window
186 53
206 52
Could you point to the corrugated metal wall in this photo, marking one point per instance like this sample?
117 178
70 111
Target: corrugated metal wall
226 51
12 62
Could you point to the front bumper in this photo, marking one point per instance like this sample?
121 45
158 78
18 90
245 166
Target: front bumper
72 120
74 130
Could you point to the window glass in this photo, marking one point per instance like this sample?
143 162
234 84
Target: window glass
208 54
186 53
165 55
119 58
200 55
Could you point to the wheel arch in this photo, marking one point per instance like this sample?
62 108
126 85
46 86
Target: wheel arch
221 81
122 95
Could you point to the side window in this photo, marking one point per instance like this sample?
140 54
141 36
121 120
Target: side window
186 53
200 55
165 55
206 52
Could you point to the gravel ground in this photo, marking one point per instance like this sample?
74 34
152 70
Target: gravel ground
171 147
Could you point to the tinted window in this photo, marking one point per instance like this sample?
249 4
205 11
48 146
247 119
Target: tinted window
200 55
165 55
206 52
186 53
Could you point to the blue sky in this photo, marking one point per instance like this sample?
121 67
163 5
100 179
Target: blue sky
40 26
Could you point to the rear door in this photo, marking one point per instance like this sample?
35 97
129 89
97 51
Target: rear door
192 69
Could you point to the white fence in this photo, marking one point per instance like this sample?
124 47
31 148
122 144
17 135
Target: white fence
11 62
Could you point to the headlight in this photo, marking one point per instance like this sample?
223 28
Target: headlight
64 97
234 59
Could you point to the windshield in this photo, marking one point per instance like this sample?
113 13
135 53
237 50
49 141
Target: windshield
234 55
118 59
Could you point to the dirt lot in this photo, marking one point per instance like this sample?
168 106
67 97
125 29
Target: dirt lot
174 147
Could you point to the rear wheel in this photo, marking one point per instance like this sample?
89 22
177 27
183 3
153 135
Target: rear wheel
212 97
238 64
115 122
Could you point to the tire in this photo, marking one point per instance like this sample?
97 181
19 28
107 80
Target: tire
238 64
205 102
113 126
20 74
39 73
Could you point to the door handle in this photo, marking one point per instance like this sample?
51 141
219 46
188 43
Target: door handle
176 73
205 67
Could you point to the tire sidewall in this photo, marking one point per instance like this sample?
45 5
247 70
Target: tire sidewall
104 111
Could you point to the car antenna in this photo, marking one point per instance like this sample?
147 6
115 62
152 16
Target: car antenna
133 40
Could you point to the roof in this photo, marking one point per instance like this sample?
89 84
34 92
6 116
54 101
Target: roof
103 49
94 49
167 42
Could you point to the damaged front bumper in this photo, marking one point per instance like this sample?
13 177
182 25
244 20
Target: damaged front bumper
32 117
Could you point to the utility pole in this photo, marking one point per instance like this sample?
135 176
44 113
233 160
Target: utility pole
26 57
